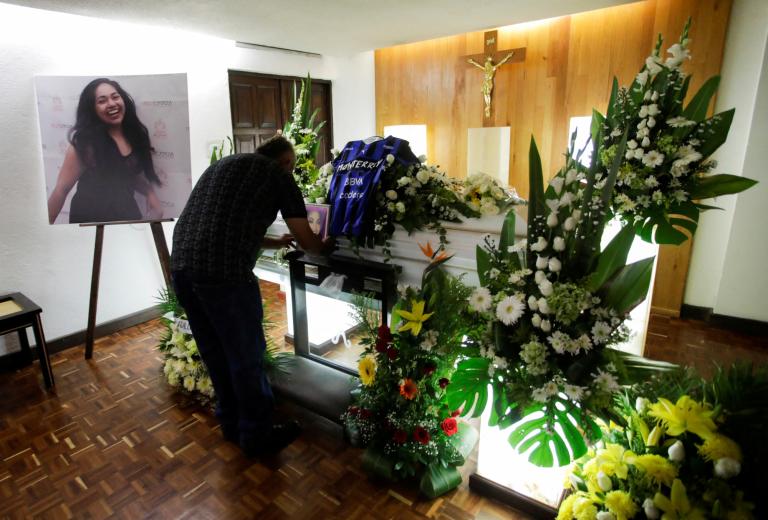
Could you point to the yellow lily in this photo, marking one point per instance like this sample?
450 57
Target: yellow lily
685 415
415 318
677 507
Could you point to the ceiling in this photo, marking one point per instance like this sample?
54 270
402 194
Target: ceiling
333 27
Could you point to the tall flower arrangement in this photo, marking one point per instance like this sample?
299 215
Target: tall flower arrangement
303 132
665 165
400 413
555 302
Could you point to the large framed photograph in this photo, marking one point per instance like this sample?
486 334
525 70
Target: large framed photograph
115 148
318 217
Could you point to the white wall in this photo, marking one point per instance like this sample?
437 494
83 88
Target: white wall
721 263
52 264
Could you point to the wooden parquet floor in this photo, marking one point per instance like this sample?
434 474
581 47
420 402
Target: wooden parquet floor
114 441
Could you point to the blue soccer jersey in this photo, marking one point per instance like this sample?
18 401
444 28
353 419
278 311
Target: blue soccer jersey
356 174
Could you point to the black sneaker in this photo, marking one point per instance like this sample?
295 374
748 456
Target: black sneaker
280 436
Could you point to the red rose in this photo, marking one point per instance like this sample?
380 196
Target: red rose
381 345
443 382
392 353
354 410
428 370
400 436
385 334
365 414
421 435
449 426
456 413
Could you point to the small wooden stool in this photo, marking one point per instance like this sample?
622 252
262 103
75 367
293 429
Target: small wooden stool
17 312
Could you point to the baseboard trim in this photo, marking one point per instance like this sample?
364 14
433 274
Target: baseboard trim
670 313
707 314
488 488
103 329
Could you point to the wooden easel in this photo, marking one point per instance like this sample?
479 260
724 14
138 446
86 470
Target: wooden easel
162 253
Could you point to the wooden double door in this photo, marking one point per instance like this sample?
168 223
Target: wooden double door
261 104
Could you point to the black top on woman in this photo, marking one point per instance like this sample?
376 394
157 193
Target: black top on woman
109 158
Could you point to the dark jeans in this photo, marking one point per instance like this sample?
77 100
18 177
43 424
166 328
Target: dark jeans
226 321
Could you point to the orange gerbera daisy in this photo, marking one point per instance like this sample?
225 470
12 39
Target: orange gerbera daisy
408 389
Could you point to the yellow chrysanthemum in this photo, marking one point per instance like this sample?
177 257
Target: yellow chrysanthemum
584 509
566 508
718 446
615 460
657 468
620 503
684 416
367 370
677 506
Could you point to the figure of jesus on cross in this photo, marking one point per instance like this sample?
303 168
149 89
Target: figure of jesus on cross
490 70
488 64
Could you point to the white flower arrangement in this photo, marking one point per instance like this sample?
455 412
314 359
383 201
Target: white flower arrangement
663 167
183 368
485 195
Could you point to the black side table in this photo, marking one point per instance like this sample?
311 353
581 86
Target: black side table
25 313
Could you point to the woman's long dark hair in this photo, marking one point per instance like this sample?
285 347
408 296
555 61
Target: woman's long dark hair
94 145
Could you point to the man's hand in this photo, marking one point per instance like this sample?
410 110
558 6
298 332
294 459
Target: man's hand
285 240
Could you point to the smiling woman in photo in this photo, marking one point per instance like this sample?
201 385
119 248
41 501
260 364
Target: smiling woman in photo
109 158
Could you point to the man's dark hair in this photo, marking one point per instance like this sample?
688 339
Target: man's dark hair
275 147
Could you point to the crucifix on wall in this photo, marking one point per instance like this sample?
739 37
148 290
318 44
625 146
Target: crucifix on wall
490 61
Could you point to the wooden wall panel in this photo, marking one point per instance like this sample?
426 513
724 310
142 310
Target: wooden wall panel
570 63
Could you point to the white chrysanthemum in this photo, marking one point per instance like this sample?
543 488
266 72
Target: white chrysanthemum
402 181
400 207
480 299
205 386
422 176
574 392
606 381
679 122
601 331
559 340
189 383
653 159
510 309
539 395
391 194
